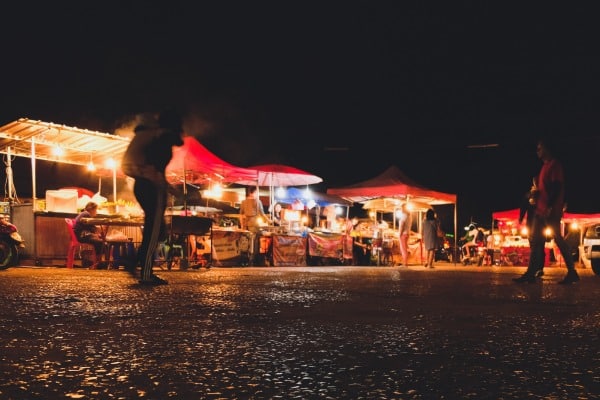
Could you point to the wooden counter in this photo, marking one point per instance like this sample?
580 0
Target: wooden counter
47 236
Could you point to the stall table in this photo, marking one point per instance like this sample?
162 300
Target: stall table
325 247
47 236
121 248
186 226
288 250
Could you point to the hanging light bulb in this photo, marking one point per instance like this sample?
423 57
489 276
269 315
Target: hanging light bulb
111 163
91 166
308 193
58 151
280 193
217 191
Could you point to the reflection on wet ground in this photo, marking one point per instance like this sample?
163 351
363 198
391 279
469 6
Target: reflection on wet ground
312 332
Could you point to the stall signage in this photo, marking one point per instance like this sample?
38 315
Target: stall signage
325 246
289 250
227 246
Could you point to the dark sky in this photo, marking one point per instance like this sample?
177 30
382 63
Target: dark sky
340 89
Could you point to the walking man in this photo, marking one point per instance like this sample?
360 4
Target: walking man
145 160
549 208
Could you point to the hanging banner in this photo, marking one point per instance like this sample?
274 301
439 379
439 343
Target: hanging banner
330 245
227 246
289 250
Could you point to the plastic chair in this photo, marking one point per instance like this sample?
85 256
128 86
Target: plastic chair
77 245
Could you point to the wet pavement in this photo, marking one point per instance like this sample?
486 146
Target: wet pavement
453 332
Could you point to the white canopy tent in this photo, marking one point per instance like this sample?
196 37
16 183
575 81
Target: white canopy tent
39 140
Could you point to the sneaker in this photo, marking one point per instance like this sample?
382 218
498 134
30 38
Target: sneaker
153 281
572 277
525 278
539 273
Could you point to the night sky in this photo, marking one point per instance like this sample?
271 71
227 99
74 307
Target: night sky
340 89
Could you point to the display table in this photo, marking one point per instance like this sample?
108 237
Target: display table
230 247
332 247
52 236
519 255
47 236
129 227
122 237
386 252
288 250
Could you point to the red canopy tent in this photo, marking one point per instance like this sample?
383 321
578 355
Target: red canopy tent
512 216
392 183
194 163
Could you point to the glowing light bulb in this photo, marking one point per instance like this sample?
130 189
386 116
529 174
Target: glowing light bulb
58 151
111 163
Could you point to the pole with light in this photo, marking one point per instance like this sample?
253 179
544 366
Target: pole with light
112 165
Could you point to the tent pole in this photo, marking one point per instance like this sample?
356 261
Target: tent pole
114 177
455 232
33 188
9 175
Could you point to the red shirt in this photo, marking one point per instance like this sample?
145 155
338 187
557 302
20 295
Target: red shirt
551 178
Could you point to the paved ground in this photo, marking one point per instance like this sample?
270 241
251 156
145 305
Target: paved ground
311 332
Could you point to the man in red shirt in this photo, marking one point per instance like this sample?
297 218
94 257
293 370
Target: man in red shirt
549 207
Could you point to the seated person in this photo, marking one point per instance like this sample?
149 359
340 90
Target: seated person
277 214
6 227
89 233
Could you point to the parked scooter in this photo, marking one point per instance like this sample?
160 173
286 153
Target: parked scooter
472 249
10 243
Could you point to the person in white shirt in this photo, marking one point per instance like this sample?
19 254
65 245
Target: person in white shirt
404 227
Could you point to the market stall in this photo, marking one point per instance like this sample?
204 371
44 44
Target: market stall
278 176
284 244
40 219
507 221
509 231
385 193
194 163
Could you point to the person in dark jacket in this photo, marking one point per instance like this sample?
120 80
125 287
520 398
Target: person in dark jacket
145 160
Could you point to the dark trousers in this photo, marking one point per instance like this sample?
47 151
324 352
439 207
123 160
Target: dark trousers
538 242
95 240
152 197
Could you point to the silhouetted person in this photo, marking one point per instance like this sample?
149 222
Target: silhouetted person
253 217
404 227
527 213
429 236
145 160
549 210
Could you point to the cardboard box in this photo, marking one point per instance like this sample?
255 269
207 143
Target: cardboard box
64 200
